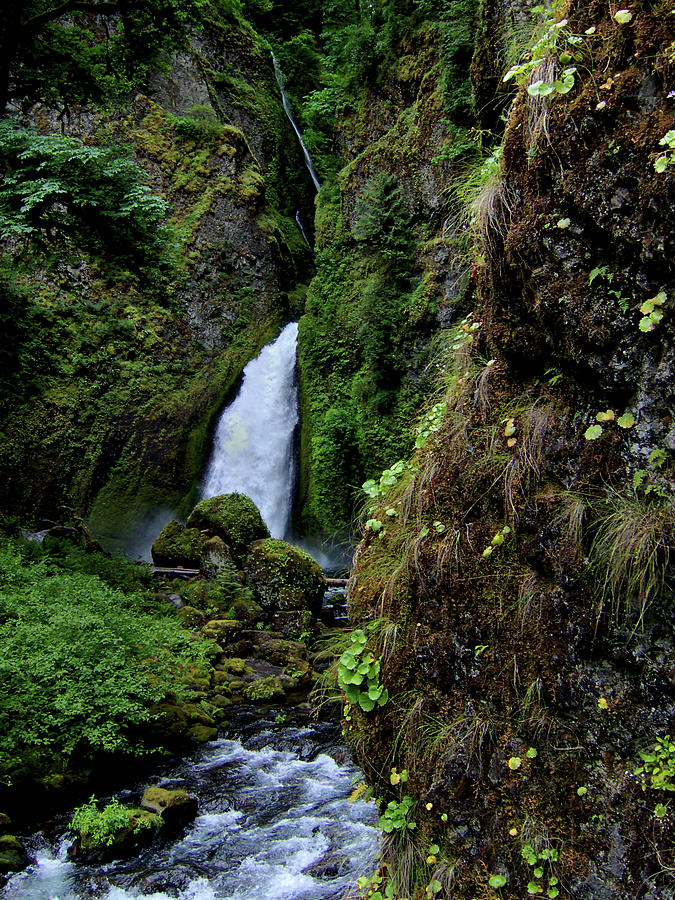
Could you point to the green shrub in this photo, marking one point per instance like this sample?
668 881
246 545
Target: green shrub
80 662
101 828
55 184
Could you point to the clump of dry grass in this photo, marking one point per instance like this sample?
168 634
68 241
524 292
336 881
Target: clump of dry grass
630 555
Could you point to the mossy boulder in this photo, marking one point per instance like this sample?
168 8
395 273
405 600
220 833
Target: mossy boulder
175 807
177 545
5 822
232 517
284 577
203 733
222 631
13 857
293 622
264 690
190 617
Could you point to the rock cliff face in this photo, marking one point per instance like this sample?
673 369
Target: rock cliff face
521 563
120 369
387 276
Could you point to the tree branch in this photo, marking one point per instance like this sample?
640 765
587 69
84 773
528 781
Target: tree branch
106 8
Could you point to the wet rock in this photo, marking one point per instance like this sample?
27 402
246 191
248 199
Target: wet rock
248 612
176 807
293 623
216 558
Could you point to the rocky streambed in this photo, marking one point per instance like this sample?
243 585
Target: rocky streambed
274 821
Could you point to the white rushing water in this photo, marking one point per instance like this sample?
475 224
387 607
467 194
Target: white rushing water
272 826
253 445
298 133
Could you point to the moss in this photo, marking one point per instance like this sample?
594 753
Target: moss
13 857
264 689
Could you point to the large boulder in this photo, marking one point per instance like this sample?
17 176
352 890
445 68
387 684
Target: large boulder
233 517
177 545
284 577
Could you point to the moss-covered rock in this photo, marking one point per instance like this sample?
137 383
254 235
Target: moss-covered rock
223 631
203 733
175 807
177 545
13 857
293 622
5 823
216 559
248 612
264 690
284 577
191 617
232 517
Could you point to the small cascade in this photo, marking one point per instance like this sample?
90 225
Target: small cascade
253 445
289 113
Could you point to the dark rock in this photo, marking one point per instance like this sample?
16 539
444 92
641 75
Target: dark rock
175 807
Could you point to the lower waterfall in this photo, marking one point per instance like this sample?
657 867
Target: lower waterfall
253 443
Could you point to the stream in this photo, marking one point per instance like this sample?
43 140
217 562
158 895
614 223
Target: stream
274 823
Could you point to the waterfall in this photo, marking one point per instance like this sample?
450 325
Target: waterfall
289 113
253 445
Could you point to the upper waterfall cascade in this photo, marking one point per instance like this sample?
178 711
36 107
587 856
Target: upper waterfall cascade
289 113
253 444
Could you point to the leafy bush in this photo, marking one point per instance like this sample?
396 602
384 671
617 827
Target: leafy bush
80 662
54 184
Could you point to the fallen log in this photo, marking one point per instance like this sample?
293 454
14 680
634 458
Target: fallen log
178 572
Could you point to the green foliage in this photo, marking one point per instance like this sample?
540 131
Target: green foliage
101 828
377 489
396 816
629 553
359 674
80 662
666 159
652 312
54 184
383 222
658 769
554 41
542 862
